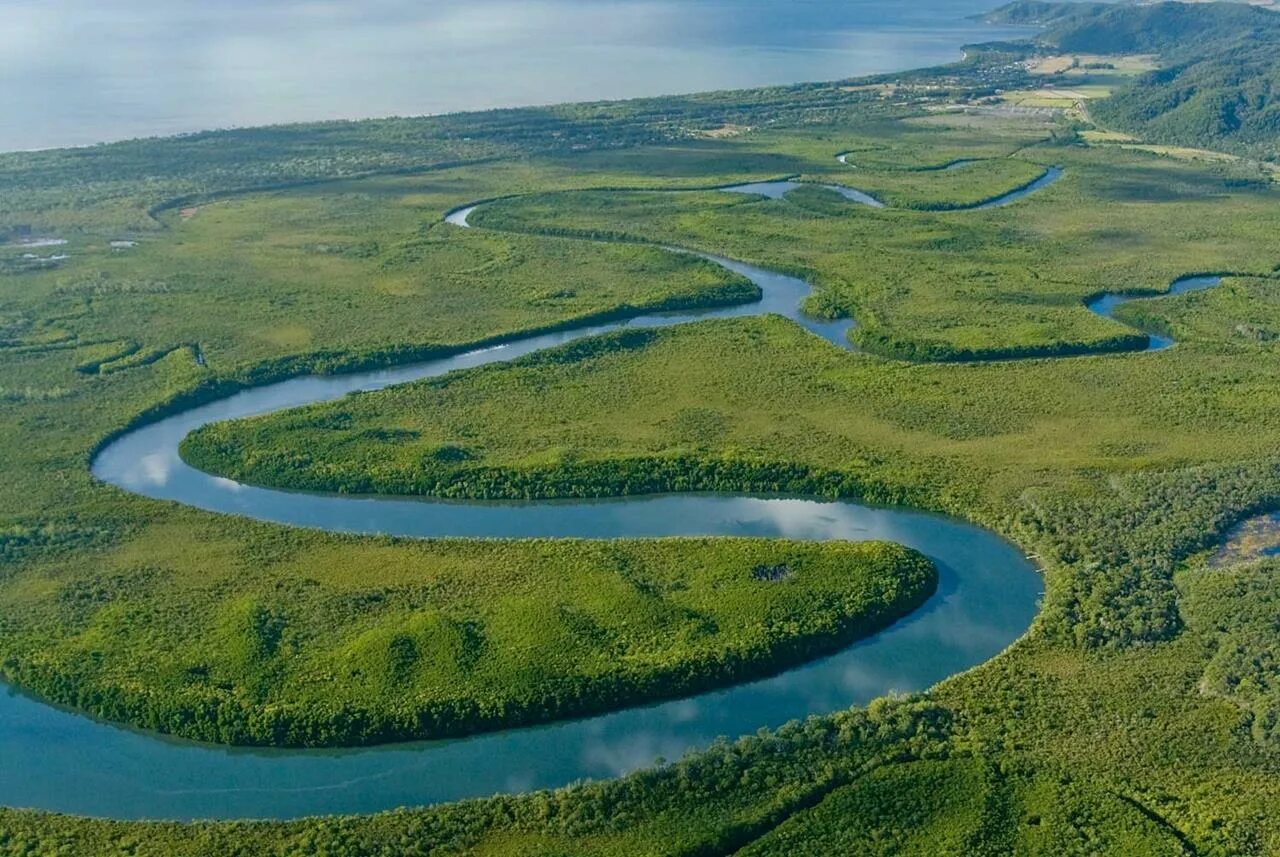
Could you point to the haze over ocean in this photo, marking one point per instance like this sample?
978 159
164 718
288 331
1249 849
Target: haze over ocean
78 73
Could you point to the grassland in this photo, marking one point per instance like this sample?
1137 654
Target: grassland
1138 716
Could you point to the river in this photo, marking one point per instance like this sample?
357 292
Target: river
61 760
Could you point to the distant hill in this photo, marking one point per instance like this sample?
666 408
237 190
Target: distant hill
1043 14
1219 81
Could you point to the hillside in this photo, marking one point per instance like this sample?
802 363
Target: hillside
1220 67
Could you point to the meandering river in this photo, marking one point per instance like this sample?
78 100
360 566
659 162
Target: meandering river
64 761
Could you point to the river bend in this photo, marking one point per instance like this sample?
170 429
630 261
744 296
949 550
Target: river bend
61 760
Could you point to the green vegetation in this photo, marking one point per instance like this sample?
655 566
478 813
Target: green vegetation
914 281
249 278
430 638
1244 310
1219 68
939 190
707 804
121 186
1138 716
776 400
1238 609
968 806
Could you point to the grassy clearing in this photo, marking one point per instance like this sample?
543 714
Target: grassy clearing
1053 99
1254 539
1092 65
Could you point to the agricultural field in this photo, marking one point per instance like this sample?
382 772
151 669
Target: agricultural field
1139 713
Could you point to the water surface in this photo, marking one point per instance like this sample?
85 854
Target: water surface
1106 304
779 189
59 760
77 72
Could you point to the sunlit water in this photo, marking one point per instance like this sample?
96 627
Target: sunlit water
986 597
76 72
63 761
